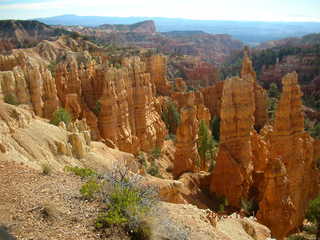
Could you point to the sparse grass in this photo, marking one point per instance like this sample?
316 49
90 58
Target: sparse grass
81 172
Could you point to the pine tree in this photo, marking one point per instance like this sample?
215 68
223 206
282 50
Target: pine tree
205 144
171 117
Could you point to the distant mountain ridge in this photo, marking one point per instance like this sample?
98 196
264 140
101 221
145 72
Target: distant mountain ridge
147 26
248 32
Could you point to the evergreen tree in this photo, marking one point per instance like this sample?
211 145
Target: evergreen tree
215 128
274 91
205 144
171 117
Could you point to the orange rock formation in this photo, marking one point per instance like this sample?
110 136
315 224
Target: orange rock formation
235 159
270 167
292 149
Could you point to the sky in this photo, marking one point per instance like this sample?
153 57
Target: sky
242 10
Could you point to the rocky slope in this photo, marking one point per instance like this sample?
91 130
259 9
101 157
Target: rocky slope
24 34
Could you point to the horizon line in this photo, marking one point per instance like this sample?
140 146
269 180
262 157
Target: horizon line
177 18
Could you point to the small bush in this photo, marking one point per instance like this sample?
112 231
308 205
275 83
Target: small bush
142 160
97 108
313 211
61 115
52 68
89 189
171 137
311 229
128 202
296 237
155 153
81 172
250 207
46 169
153 170
10 99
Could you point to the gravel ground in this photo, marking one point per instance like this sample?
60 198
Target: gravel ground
38 207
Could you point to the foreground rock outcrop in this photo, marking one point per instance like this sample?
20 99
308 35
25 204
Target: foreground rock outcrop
27 139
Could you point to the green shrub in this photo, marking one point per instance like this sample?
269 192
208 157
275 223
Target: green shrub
315 131
11 99
155 153
171 137
296 237
272 106
153 170
52 68
142 231
89 189
128 202
46 169
311 229
142 160
250 207
313 212
273 91
97 108
81 172
61 115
